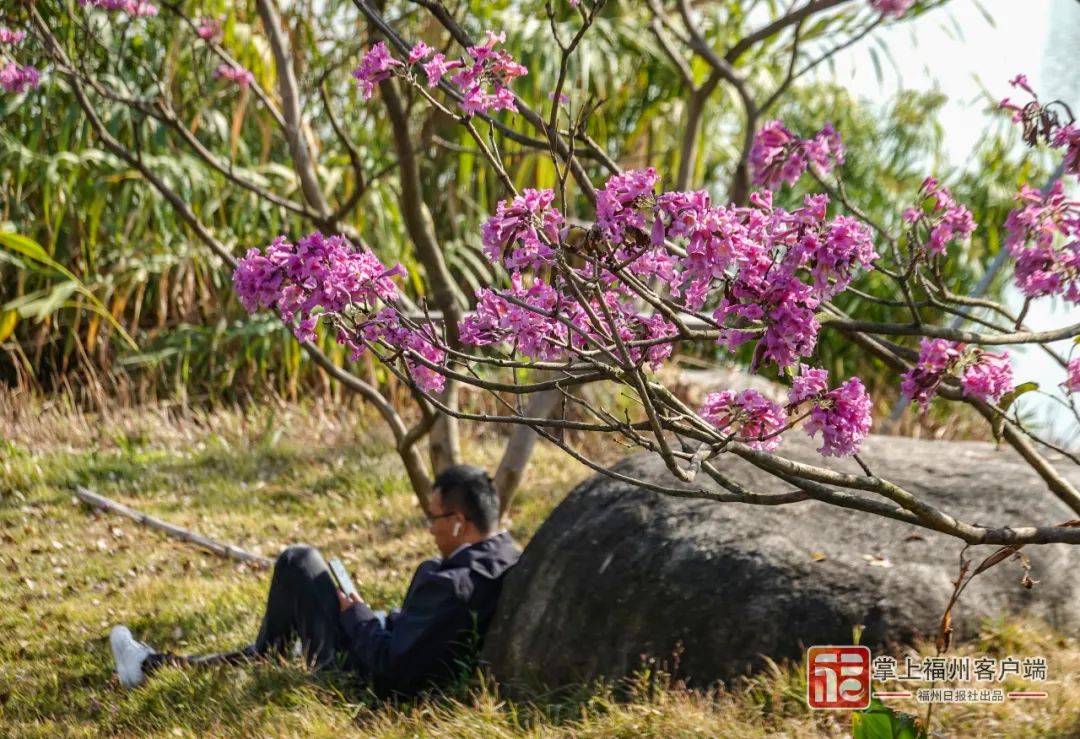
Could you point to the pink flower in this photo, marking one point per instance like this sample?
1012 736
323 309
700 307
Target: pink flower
1021 81
771 158
895 8
490 69
778 156
18 79
521 231
237 74
376 66
826 149
419 51
10 37
437 67
1033 234
810 383
1068 137
625 201
749 414
832 254
936 357
989 377
386 328
141 9
497 320
843 417
315 272
946 221
209 29
1072 381
982 375
477 100
655 327
504 99
783 307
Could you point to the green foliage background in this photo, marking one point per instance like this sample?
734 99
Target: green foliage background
98 219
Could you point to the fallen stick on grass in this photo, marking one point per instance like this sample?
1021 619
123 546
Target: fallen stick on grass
223 550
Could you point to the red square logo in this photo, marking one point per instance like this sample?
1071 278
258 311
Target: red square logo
838 677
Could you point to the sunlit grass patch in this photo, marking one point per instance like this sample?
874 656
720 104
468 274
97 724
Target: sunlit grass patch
68 574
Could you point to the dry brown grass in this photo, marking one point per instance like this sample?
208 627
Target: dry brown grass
280 473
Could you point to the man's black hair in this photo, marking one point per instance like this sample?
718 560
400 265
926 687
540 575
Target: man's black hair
470 491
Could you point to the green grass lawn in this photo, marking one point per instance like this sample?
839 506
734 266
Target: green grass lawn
263 479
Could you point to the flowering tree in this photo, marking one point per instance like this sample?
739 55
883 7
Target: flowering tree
644 265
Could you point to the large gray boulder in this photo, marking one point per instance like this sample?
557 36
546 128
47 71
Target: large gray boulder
617 572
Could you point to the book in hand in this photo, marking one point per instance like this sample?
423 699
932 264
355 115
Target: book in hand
341 576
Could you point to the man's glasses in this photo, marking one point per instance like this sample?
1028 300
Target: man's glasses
433 519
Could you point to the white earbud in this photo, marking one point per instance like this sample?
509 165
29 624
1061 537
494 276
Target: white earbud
457 529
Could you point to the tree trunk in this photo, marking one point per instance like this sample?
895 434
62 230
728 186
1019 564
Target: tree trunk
520 448
444 443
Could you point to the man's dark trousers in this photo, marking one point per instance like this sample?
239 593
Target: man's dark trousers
448 602
302 603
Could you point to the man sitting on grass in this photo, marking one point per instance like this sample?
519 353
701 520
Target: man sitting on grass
446 612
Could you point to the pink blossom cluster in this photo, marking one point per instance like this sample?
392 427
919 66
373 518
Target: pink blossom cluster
329 274
936 358
982 374
627 201
1072 379
484 77
502 316
438 67
757 257
376 66
990 376
315 272
134 8
521 232
9 37
779 156
545 323
14 77
895 8
945 219
747 416
830 251
209 29
770 268
17 78
784 304
1068 138
630 217
1034 232
234 73
486 81
843 417
810 384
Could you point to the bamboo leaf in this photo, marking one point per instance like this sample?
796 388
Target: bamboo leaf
7 324
998 424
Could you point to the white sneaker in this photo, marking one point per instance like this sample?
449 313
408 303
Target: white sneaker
129 655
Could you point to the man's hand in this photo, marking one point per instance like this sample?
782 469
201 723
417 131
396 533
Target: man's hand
347 601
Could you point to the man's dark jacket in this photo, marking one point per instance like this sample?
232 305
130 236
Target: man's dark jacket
447 611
